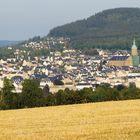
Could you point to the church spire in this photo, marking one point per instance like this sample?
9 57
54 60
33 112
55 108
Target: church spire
134 50
134 42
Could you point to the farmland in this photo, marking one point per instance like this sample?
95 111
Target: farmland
98 121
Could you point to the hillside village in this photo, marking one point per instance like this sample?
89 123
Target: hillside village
70 68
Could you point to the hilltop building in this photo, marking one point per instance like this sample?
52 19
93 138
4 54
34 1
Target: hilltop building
132 60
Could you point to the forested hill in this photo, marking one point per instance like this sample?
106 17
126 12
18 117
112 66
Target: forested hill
109 29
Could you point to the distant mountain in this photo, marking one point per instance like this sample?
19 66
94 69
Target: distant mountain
5 43
108 29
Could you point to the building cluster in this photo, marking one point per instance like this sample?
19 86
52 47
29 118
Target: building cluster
45 43
74 70
127 60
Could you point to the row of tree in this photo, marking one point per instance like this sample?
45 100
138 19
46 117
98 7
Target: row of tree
33 96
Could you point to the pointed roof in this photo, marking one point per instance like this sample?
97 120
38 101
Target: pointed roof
134 44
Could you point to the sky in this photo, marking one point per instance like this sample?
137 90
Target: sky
23 19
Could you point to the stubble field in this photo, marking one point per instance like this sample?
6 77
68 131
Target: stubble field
96 121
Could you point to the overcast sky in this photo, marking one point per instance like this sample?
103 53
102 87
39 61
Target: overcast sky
23 19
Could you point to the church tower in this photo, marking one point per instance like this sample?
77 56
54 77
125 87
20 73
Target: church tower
135 54
134 50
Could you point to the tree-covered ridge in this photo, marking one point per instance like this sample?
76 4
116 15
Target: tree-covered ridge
110 28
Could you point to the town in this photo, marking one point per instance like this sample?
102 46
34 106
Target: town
70 68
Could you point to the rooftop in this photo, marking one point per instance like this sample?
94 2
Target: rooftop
119 58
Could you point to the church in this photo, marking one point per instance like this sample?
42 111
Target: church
133 60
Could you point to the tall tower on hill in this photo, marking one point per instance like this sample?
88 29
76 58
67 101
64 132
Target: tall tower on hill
134 50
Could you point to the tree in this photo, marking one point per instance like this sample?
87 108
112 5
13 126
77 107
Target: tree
32 94
46 90
119 87
130 93
106 94
60 97
8 98
132 85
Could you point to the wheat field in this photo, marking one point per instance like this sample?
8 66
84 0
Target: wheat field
96 121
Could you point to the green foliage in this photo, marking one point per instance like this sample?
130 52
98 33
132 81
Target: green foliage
130 93
34 39
9 100
109 29
90 51
6 53
87 95
46 90
31 94
106 94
